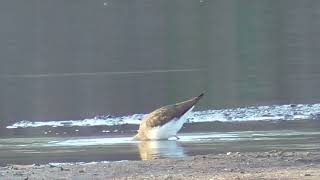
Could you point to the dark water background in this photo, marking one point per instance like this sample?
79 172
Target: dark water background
76 59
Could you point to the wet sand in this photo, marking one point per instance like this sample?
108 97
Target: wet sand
230 165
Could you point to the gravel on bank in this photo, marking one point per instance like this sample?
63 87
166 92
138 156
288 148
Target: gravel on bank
231 165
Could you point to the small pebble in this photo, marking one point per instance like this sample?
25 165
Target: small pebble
259 156
64 169
273 151
18 174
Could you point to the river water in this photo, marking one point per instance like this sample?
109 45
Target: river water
294 127
117 148
77 77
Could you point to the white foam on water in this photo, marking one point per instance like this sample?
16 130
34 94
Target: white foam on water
96 121
245 135
91 141
188 137
253 113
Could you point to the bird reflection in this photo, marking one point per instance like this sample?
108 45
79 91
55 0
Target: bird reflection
158 149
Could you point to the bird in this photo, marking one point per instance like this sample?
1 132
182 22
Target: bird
164 122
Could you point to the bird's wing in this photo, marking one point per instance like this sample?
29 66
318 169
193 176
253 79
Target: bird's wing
167 113
160 116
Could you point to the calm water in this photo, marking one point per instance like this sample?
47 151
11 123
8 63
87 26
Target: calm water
72 60
109 138
88 149
82 72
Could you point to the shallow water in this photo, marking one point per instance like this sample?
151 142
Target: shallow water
117 148
59 71
293 127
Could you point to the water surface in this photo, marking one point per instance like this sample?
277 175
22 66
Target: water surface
76 60
89 149
77 77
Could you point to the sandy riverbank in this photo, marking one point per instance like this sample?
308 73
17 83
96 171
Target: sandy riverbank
262 165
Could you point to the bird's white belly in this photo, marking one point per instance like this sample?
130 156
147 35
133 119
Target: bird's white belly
169 129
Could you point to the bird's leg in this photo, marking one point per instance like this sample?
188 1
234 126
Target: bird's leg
176 137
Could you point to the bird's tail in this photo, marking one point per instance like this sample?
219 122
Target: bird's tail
200 96
196 99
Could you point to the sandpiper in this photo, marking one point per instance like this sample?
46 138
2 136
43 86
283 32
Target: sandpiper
166 121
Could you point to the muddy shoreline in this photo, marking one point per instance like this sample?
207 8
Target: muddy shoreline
230 165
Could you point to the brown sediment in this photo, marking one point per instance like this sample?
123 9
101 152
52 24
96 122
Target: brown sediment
230 165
